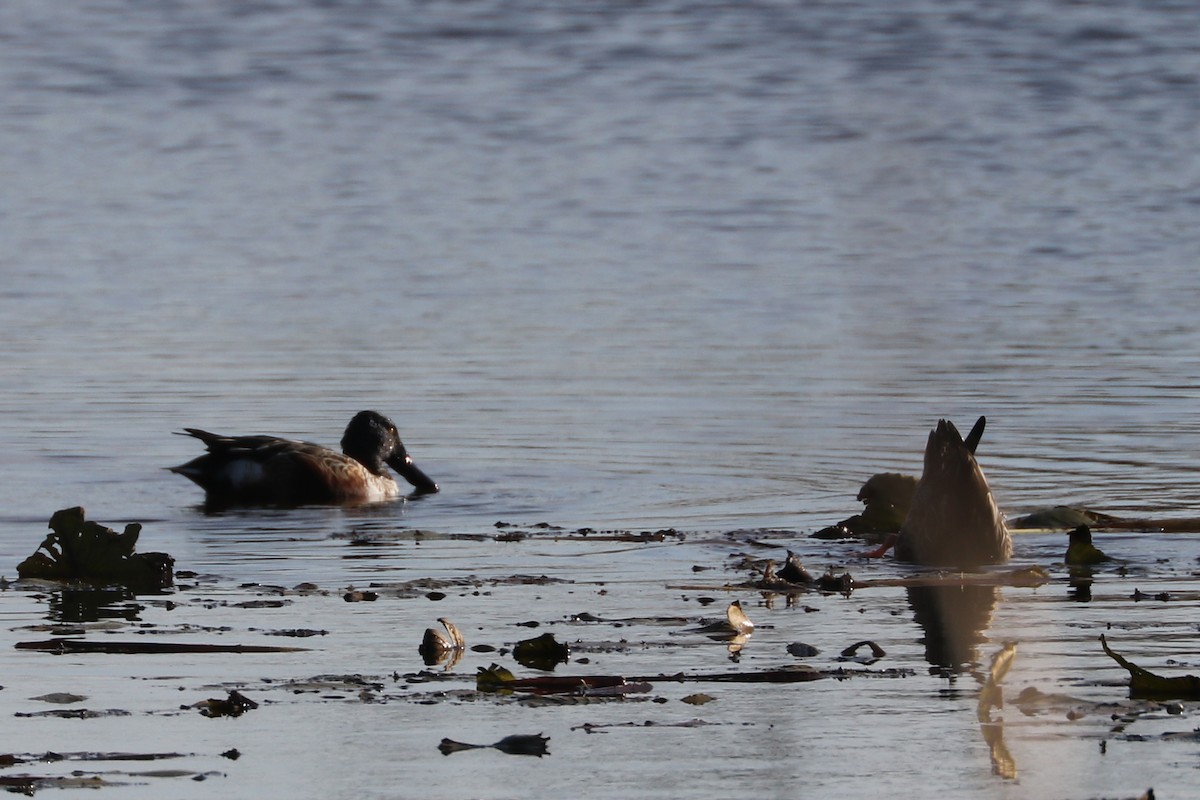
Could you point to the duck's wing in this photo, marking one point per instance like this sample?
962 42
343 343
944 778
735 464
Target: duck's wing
259 448
237 466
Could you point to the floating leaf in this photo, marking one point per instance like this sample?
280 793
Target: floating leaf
436 647
736 624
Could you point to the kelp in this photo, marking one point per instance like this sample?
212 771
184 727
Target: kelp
1068 517
496 678
1145 684
65 645
542 652
1027 577
234 705
78 551
499 679
516 745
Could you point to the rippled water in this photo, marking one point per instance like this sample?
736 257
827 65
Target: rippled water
693 265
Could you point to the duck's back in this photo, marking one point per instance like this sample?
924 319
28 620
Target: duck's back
267 469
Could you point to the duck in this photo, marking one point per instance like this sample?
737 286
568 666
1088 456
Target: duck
270 470
953 520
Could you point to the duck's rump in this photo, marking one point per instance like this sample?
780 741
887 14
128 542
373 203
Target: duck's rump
953 520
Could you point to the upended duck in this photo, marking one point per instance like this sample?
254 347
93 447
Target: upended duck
953 520
269 470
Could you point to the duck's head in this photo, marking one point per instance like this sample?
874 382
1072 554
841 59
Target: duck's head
372 440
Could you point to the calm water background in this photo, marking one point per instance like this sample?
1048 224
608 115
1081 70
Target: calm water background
678 264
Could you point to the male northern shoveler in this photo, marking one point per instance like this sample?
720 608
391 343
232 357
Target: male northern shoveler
253 470
953 520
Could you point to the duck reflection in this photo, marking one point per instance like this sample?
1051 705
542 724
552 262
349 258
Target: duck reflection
953 619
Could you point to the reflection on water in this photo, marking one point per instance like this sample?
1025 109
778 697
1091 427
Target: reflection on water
1080 584
92 605
954 619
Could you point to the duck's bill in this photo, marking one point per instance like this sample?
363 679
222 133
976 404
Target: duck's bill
405 467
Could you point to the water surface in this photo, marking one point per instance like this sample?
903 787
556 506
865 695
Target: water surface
687 265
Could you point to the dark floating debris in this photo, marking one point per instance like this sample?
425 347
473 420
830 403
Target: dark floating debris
64 645
836 584
30 784
517 745
793 571
791 578
436 647
542 652
802 650
87 552
9 760
851 653
234 705
500 680
1145 684
74 713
